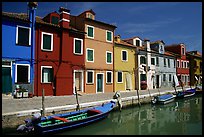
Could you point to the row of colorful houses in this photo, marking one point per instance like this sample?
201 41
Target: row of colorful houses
63 53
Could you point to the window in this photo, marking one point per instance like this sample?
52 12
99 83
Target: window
90 31
174 63
90 16
124 55
137 42
157 61
23 36
169 63
178 63
181 64
22 73
109 36
120 77
164 77
47 41
47 74
143 77
152 61
187 64
161 48
54 20
108 57
108 77
142 60
183 51
164 62
90 55
90 77
78 46
169 77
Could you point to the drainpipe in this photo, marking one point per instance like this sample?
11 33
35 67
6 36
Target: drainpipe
32 11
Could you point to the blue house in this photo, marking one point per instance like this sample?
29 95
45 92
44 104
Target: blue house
18 40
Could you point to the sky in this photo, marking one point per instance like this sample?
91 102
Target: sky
172 22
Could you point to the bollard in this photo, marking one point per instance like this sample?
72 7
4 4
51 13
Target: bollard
43 104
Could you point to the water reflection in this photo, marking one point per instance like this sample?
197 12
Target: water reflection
183 116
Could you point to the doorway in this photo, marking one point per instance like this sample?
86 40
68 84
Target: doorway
157 81
100 83
78 81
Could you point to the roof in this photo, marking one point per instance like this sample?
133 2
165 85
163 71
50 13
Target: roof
96 21
132 38
194 53
39 20
156 42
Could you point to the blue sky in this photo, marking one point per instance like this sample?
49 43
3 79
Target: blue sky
172 22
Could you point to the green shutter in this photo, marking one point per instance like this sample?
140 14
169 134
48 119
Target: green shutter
90 55
77 47
109 36
46 42
90 31
109 60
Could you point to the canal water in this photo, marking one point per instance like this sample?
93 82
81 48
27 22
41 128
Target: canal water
181 117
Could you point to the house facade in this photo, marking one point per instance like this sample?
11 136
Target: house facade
59 55
18 49
195 66
98 50
182 67
165 65
124 65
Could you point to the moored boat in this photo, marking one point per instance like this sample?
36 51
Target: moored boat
185 93
163 99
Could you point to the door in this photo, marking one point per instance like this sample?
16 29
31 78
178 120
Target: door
128 81
78 81
157 81
99 86
6 80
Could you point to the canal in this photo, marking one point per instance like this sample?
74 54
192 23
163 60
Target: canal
181 117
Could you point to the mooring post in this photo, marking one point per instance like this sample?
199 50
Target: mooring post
43 103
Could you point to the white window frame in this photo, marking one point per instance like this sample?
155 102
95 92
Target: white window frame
42 73
87 31
107 77
87 76
183 50
107 57
187 64
178 61
17 71
81 46
122 77
107 36
87 54
25 28
42 41
126 55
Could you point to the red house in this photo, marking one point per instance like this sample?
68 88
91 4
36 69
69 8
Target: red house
59 54
182 68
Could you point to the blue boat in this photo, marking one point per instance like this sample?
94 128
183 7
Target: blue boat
163 99
65 121
185 93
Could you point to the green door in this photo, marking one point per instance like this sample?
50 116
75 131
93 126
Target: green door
6 80
99 83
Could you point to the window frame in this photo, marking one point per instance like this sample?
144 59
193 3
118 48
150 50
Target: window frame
144 58
51 46
87 54
152 58
43 75
88 77
178 63
107 57
88 32
107 36
17 42
107 77
121 76
122 55
16 75
81 46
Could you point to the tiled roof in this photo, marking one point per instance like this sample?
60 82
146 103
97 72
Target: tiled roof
132 38
96 21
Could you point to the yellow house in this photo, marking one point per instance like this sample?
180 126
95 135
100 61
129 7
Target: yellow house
124 65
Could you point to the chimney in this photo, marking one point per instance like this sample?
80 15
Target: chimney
147 44
64 17
117 38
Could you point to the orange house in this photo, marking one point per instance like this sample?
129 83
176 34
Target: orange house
98 46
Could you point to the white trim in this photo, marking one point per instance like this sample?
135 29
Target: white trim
97 82
42 73
28 71
92 76
87 54
107 77
42 41
64 20
25 28
107 36
87 31
82 80
126 55
81 46
111 57
117 77
65 12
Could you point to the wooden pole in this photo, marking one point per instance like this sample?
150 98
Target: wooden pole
77 108
43 103
136 74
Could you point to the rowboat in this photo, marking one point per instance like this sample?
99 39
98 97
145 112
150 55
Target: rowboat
185 93
163 99
65 121
198 89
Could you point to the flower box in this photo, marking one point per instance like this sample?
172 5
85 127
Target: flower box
25 94
19 94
